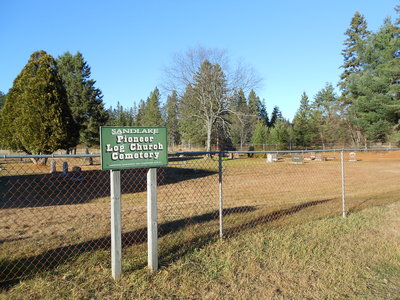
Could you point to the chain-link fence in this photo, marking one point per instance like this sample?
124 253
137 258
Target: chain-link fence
54 209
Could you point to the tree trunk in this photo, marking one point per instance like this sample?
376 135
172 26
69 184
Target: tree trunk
209 130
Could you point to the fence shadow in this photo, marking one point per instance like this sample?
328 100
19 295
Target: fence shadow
273 216
29 266
21 191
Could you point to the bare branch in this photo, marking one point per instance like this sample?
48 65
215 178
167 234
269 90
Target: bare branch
184 66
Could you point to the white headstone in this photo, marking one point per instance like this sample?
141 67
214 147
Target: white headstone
269 158
352 156
53 167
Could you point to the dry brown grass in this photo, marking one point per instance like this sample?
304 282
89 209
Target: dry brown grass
254 191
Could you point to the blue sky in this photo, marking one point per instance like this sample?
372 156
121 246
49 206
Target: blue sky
295 46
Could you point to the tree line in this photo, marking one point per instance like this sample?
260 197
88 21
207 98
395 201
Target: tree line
54 103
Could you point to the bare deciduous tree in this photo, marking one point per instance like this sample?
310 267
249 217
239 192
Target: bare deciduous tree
213 82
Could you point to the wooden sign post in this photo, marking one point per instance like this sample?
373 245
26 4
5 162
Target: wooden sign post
126 148
116 248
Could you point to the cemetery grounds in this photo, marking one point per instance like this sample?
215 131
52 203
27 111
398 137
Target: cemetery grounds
50 220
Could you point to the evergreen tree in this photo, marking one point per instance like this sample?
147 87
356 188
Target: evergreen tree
275 116
240 119
279 135
111 117
172 119
121 116
260 133
207 99
84 99
263 112
373 107
139 120
302 126
254 104
191 128
357 35
152 113
326 116
2 99
375 94
36 117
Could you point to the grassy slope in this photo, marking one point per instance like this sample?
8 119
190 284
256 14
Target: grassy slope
331 258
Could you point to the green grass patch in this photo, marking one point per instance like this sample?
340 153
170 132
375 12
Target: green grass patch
329 258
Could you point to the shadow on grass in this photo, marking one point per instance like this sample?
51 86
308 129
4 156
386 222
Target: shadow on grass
40 190
27 267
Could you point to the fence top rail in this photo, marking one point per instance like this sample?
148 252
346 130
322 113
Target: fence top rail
49 155
320 150
201 153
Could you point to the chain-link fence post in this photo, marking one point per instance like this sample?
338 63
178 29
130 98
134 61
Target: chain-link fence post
220 193
343 184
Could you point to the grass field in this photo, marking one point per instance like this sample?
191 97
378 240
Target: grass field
329 258
59 239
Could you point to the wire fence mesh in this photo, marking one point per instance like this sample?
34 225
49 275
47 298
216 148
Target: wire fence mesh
51 213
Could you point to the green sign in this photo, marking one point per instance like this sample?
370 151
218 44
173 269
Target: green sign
133 147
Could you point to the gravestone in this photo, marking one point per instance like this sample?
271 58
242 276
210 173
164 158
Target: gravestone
297 158
88 160
65 168
307 156
53 166
272 157
352 156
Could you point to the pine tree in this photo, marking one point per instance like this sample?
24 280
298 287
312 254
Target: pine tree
254 104
263 112
375 94
240 126
84 99
275 116
121 118
172 119
152 113
254 110
326 116
279 135
260 133
2 99
207 99
302 128
36 117
139 120
357 35
191 128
